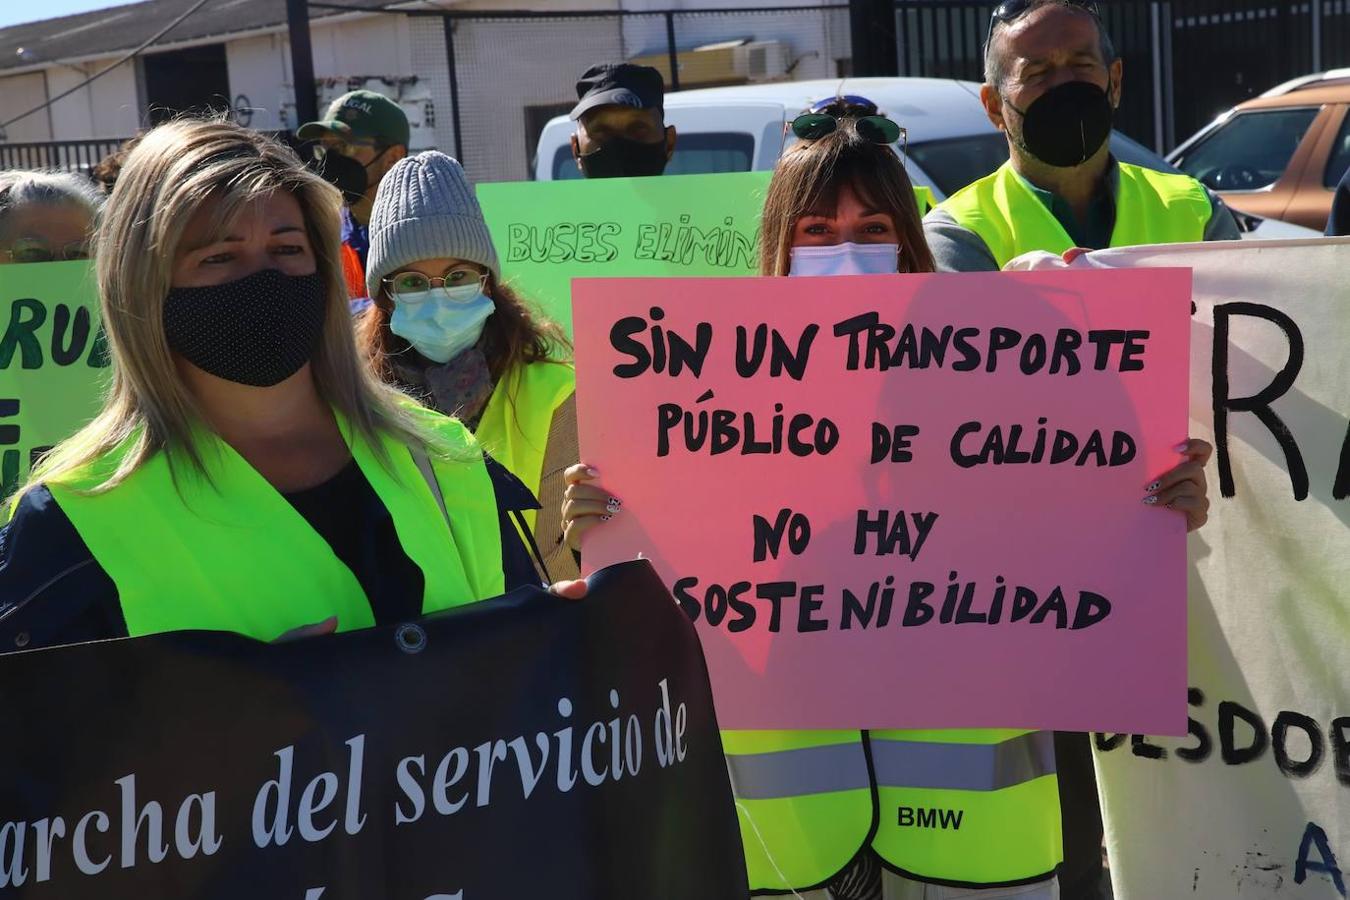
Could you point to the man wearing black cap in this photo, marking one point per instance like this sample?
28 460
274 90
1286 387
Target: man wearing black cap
621 127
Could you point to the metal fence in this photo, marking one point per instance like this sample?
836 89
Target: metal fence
1185 61
508 73
945 39
492 80
78 156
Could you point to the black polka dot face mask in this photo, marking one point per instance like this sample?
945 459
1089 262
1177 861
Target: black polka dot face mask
259 330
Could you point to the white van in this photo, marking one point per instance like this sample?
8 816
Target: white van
741 129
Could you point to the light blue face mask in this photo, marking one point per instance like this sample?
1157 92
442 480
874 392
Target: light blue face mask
443 322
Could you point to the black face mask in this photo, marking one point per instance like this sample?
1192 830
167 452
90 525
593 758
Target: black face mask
345 174
259 330
624 158
1067 124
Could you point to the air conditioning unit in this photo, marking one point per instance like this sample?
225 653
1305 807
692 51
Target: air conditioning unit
762 60
728 62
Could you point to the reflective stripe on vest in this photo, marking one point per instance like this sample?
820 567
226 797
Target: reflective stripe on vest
515 424
973 807
1151 208
963 767
800 772
804 801
231 553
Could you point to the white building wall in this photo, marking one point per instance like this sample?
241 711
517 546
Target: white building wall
108 108
374 46
260 80
18 94
506 66
510 72
426 36
379 53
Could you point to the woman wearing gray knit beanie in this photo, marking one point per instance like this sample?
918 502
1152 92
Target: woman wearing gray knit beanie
445 329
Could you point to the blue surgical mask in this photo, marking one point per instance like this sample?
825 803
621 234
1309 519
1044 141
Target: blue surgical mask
438 323
846 259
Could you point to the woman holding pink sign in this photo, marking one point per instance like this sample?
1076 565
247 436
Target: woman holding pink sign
823 813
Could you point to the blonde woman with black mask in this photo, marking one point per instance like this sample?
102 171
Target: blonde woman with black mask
246 473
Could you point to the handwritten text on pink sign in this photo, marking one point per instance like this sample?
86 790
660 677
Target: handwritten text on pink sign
903 501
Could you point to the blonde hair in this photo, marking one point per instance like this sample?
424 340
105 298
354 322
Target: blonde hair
174 170
807 181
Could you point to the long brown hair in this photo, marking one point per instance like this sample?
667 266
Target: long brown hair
807 181
513 335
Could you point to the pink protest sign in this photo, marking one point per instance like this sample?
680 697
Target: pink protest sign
909 501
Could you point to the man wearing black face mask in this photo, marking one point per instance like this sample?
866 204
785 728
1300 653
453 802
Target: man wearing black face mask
359 139
620 116
1052 84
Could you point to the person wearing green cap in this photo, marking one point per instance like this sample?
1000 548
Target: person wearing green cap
360 138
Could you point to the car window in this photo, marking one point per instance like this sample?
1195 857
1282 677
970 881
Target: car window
1338 163
695 154
956 162
1250 151
1128 150
953 163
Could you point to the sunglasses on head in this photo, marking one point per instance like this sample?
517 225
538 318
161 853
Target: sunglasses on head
844 105
1012 10
824 116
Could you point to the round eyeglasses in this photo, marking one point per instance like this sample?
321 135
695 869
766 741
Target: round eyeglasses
33 251
460 285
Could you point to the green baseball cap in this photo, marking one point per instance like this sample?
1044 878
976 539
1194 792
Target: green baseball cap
361 116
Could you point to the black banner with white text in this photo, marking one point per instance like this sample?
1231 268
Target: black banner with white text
523 747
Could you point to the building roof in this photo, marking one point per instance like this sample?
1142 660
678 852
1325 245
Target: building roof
122 28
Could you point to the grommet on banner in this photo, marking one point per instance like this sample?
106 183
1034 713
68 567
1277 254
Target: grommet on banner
410 638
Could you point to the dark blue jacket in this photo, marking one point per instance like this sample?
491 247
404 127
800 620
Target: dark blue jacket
53 591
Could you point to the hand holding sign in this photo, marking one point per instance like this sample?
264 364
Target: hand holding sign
585 504
1184 488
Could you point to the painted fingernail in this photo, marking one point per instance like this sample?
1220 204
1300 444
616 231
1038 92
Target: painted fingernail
1150 501
1153 487
606 518
613 504
1182 447
594 473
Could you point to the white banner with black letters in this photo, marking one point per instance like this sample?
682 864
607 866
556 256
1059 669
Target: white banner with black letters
1255 801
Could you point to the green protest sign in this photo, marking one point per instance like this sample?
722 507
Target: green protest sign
53 361
548 233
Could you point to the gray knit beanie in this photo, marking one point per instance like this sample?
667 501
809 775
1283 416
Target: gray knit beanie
426 209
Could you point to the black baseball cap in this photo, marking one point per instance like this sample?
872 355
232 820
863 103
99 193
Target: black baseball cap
619 84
